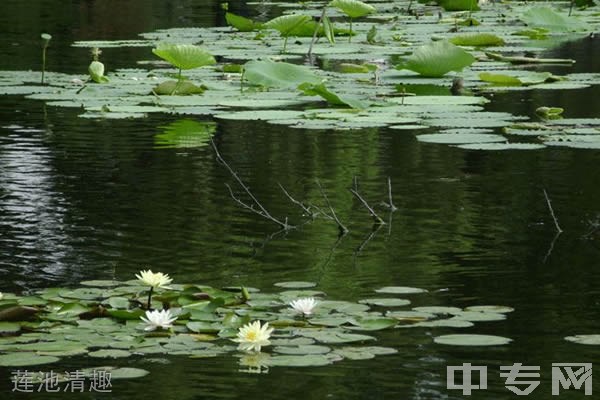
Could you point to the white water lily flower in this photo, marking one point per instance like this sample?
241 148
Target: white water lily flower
156 280
252 336
1 295
158 319
305 305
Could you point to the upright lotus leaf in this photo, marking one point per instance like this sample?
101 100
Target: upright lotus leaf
477 39
437 59
545 17
96 70
287 25
240 23
459 5
184 56
273 74
331 97
353 9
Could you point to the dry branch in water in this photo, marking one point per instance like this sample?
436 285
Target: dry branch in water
262 211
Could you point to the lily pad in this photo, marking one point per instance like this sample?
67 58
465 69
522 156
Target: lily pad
491 308
383 302
296 284
302 350
472 340
593 340
25 359
400 290
110 353
312 360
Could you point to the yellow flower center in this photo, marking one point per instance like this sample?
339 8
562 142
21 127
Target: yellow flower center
251 335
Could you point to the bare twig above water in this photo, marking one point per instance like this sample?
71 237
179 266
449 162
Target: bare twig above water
304 208
556 225
390 205
342 227
558 229
261 210
354 191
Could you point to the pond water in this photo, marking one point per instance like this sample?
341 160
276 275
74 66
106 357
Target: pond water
95 199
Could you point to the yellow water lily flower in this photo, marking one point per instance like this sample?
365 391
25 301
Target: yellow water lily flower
155 280
253 336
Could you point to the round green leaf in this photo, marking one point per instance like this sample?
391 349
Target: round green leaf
584 339
25 359
472 340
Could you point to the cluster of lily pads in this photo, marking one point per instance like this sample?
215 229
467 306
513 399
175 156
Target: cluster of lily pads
298 326
396 72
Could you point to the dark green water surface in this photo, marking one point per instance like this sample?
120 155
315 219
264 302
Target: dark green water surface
87 199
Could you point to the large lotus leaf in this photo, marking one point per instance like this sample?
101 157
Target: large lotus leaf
184 56
437 59
337 99
545 17
269 73
353 8
286 24
477 39
240 23
459 5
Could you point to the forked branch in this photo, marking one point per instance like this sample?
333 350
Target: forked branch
261 210
341 227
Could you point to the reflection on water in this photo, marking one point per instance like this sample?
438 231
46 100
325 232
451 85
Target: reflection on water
33 211
89 199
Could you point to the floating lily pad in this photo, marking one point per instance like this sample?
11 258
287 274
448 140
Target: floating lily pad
373 324
302 350
296 284
479 316
400 290
593 340
438 310
458 138
501 146
393 302
312 360
9 328
472 340
25 359
441 323
491 308
110 353
334 337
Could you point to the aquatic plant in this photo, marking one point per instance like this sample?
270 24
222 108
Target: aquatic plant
253 336
353 9
155 281
96 68
304 306
183 56
155 319
287 25
45 41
